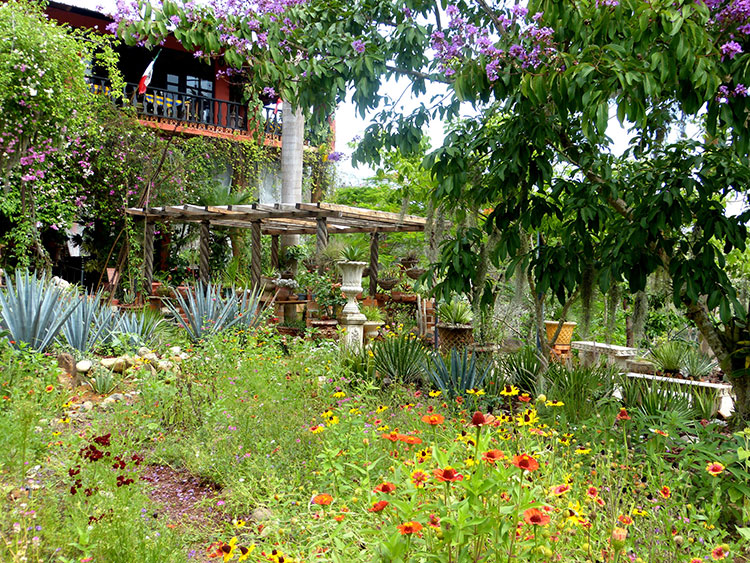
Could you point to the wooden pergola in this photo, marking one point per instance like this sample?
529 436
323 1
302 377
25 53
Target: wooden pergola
320 219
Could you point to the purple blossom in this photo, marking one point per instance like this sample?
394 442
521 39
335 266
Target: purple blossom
270 92
731 49
335 156
358 46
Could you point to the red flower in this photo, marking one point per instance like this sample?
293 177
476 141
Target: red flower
625 519
719 553
535 517
434 521
480 419
447 475
623 415
419 478
665 492
714 468
378 506
592 492
525 462
322 499
409 528
493 456
385 488
433 419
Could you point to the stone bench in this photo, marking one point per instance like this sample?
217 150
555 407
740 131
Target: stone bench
591 351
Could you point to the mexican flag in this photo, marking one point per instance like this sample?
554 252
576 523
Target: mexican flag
146 78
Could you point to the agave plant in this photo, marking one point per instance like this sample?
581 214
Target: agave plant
90 323
208 310
583 390
399 358
669 357
33 311
459 375
697 365
137 329
521 368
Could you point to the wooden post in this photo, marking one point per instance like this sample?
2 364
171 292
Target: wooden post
321 240
255 246
205 252
275 252
374 257
148 256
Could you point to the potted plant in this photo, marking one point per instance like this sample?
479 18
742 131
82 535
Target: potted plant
454 325
286 289
388 277
375 320
565 336
410 259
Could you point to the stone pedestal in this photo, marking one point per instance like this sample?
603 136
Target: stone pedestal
353 324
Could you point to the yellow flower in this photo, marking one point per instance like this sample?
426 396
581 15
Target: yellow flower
509 391
355 410
583 451
327 414
332 421
639 512
382 428
229 554
554 404
317 429
469 462
239 523
435 393
381 408
64 421
475 391
527 418
339 395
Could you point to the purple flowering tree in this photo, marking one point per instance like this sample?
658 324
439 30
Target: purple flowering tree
545 80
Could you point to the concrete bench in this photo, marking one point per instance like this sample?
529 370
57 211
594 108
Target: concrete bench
591 351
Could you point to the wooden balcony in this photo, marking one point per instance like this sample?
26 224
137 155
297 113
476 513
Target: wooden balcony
176 112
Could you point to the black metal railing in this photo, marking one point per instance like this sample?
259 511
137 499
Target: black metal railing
200 111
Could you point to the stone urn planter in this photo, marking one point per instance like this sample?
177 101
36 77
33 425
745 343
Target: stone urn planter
351 284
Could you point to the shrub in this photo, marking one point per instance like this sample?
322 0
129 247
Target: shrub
455 312
522 368
583 390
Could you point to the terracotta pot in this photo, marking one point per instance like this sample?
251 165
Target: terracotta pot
409 298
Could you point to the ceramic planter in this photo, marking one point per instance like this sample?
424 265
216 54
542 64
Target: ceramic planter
351 284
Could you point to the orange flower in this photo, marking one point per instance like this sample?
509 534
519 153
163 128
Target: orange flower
49 388
433 419
625 519
339 517
525 462
385 488
493 456
378 506
447 475
623 415
535 517
665 492
322 499
560 490
419 478
215 550
480 419
714 468
392 436
411 440
524 397
409 528
719 552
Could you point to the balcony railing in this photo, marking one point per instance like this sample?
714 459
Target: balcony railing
202 112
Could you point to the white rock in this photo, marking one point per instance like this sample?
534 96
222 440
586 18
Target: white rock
143 351
87 405
175 350
84 366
